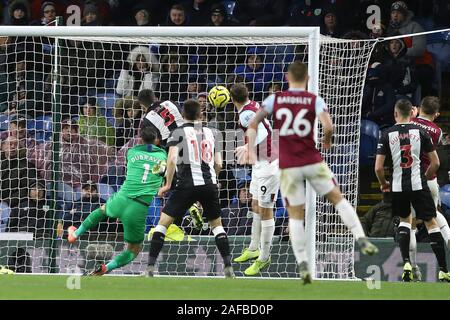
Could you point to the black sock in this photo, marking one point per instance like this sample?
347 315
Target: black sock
403 242
155 247
438 246
224 248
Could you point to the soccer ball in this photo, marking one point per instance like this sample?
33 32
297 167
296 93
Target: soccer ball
219 96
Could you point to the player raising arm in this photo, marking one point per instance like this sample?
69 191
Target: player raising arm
195 153
404 145
264 185
131 203
295 111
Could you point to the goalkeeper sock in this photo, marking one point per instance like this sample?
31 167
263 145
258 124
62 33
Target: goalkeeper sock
350 218
404 233
298 239
223 245
437 244
443 225
256 232
267 230
413 248
120 260
156 244
91 221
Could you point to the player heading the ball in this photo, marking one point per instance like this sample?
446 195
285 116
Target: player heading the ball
264 185
294 112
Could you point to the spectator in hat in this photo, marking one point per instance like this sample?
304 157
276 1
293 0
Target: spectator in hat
235 218
399 70
141 72
31 213
402 23
379 52
19 13
218 16
95 126
330 25
142 17
90 15
48 14
103 9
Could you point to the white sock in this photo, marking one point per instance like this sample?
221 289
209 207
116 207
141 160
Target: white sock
443 225
350 218
413 248
267 230
298 239
256 232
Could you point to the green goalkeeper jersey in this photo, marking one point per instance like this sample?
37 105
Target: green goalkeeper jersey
143 171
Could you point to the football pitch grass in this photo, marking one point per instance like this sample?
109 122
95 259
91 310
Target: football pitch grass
164 288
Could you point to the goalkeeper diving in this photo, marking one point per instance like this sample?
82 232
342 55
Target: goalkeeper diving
145 166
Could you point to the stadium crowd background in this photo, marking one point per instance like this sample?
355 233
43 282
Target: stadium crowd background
101 84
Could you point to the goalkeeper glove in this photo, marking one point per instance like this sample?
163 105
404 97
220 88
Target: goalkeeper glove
159 168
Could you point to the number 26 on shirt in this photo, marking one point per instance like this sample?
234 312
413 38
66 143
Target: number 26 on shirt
298 125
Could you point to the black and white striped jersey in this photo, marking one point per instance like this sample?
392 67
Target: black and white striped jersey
165 117
403 145
197 146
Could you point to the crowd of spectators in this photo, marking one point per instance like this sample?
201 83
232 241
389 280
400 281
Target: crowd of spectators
101 84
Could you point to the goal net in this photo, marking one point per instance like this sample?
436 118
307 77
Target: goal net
70 110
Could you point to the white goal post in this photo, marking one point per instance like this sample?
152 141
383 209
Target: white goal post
337 69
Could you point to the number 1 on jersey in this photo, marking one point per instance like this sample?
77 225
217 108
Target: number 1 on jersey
146 171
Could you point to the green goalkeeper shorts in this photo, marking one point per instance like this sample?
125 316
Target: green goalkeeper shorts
132 213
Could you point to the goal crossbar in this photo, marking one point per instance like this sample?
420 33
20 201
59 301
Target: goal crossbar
79 31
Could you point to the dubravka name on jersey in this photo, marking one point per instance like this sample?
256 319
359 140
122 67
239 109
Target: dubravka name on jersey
294 100
144 158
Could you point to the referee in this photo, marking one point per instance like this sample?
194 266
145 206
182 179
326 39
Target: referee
403 144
